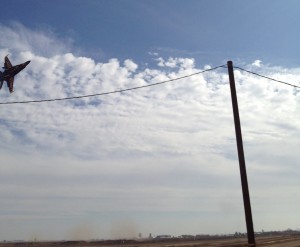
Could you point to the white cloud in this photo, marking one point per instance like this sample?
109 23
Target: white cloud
183 63
17 38
168 149
130 65
257 63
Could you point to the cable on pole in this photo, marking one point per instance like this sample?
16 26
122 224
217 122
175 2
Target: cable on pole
266 77
111 92
149 85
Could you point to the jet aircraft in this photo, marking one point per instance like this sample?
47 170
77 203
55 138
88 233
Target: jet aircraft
10 72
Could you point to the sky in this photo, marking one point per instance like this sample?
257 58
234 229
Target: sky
160 159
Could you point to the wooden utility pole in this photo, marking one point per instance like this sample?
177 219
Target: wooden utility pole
240 149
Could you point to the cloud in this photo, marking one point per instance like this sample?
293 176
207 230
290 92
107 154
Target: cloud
171 62
257 63
17 38
153 152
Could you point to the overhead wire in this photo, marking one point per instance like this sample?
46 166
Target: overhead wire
110 92
266 77
144 86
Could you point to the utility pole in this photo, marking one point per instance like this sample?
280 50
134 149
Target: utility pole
240 149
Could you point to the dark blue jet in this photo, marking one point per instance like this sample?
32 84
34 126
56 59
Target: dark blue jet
10 72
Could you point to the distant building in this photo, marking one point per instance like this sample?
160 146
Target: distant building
187 236
163 237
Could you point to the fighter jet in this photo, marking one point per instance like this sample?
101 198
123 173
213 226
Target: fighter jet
10 72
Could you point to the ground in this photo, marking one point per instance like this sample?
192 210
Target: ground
276 241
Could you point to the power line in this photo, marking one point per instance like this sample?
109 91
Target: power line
149 85
266 77
111 92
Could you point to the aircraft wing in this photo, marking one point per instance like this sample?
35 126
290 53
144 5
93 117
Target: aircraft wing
10 84
7 63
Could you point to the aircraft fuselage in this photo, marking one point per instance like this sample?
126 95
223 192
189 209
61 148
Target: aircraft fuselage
11 72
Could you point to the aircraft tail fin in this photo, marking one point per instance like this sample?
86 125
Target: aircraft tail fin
1 79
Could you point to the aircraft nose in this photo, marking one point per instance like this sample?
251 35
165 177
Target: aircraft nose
27 63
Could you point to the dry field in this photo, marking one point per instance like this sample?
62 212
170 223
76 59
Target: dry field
284 241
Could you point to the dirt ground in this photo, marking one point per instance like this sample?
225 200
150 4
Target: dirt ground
278 241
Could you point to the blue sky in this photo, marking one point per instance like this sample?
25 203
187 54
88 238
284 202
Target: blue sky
162 159
212 31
